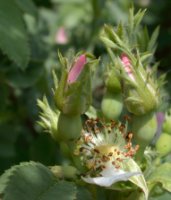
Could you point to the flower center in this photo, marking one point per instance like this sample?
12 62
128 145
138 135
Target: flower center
107 150
105 146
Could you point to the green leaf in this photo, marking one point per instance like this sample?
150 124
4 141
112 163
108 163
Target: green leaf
13 36
131 19
143 39
24 79
27 6
120 31
4 179
165 196
113 36
161 174
48 116
83 194
65 190
109 43
152 42
139 180
145 56
71 15
33 180
67 1
138 17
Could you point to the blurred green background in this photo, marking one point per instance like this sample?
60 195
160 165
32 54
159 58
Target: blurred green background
31 32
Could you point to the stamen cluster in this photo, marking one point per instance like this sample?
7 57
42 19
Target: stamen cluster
103 146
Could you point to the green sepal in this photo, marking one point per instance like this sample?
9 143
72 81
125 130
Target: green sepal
112 82
48 117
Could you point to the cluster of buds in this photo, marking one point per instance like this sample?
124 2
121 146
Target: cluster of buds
140 88
139 82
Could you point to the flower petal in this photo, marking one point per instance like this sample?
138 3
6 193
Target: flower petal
127 66
61 36
109 180
76 69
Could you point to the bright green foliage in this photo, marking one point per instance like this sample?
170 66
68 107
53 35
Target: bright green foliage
162 175
33 180
13 36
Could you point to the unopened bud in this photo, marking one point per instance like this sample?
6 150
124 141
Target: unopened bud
140 91
73 95
163 144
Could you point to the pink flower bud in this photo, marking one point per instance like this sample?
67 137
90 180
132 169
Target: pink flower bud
127 65
76 69
61 36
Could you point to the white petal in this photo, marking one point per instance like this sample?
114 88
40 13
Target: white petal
107 181
111 171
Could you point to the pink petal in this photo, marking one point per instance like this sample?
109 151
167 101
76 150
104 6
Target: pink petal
125 60
127 65
76 69
61 36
